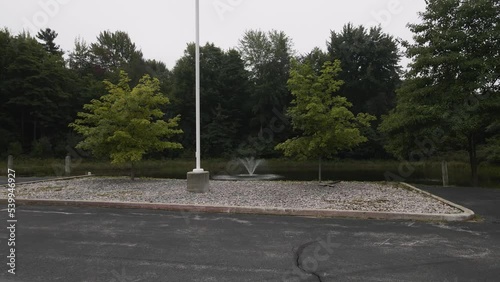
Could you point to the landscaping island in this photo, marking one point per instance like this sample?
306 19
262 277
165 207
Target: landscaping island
228 196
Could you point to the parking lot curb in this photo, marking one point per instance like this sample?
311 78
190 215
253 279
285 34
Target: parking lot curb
465 215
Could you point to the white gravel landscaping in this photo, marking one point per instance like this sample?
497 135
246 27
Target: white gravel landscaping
359 196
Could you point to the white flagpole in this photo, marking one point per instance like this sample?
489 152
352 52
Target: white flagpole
197 59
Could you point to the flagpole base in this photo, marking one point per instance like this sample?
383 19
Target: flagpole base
198 181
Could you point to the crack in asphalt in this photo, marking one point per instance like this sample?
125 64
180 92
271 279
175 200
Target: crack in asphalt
297 253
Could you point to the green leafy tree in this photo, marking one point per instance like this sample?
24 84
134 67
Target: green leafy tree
323 121
267 57
35 86
113 50
316 58
454 80
126 124
8 122
79 58
370 71
370 67
159 70
224 96
492 147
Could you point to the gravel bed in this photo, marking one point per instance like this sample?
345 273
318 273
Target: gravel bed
360 196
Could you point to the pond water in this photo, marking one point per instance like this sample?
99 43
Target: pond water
421 173
430 175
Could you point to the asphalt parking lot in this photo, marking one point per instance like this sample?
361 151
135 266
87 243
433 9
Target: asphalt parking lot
91 244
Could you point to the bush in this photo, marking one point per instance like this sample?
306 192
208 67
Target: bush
493 149
15 149
41 148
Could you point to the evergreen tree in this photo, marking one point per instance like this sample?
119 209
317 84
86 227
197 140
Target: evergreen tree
48 37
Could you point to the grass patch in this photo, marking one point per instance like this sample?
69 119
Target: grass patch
476 218
346 170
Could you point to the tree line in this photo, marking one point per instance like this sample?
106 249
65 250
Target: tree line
248 106
243 89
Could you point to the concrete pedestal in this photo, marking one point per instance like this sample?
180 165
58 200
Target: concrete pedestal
10 162
198 182
67 166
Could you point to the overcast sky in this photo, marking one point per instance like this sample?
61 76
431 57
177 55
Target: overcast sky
162 28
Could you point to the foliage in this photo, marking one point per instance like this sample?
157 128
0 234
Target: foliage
316 58
323 121
224 98
453 84
370 67
125 124
114 50
15 149
267 57
492 147
42 148
48 36
111 53
79 58
370 70
34 88
450 94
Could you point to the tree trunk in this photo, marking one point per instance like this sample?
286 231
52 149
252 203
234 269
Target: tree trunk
444 172
319 170
473 159
132 171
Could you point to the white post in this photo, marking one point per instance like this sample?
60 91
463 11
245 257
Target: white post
10 162
444 171
67 165
197 59
198 180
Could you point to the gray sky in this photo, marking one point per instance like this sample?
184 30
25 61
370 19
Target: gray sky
161 29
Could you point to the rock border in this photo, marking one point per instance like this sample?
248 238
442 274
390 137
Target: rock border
466 214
